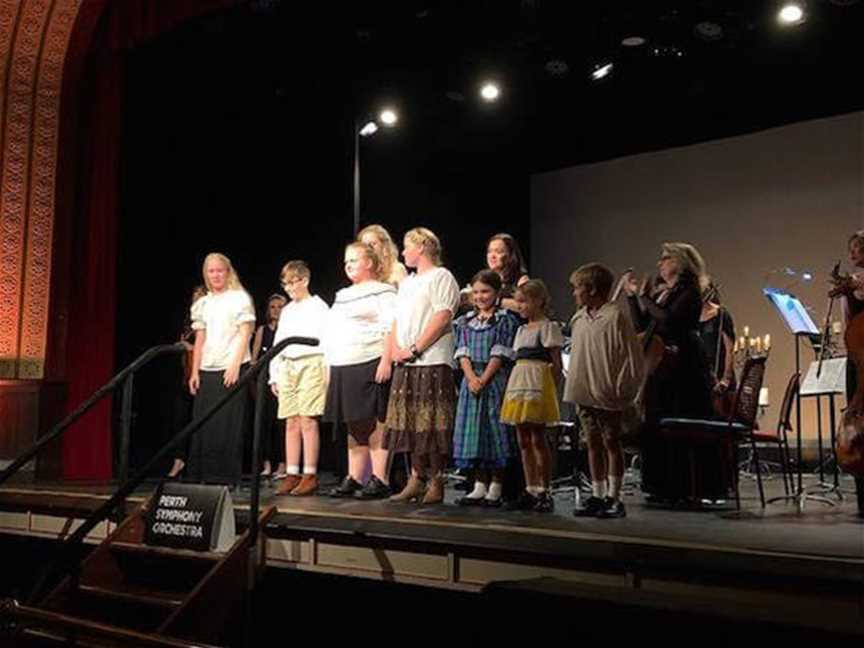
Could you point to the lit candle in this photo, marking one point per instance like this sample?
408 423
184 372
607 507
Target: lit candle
742 343
763 397
767 341
758 345
746 331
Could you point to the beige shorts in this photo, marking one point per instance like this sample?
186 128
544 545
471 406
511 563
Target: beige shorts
302 387
599 424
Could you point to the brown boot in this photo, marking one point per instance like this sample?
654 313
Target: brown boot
414 488
307 486
435 492
288 484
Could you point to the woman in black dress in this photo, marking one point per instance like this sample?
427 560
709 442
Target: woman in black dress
680 386
273 430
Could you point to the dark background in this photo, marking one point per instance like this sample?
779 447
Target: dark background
238 128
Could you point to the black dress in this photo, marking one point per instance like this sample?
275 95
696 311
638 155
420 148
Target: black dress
709 332
679 387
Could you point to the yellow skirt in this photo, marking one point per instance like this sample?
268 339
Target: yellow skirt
531 396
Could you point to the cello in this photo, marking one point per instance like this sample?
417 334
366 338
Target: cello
850 437
722 399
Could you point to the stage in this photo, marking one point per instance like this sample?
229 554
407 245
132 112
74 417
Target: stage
775 565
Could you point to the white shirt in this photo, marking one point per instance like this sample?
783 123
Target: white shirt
359 321
304 318
420 297
220 316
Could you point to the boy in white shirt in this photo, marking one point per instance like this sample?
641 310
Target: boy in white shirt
298 379
606 371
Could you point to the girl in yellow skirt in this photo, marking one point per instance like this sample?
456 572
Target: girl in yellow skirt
531 399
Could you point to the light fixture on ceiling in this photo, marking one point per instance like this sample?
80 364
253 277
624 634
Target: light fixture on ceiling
634 41
490 91
602 70
791 13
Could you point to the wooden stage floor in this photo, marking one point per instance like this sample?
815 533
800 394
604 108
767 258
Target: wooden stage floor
772 565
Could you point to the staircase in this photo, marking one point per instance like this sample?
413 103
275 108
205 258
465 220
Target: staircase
131 594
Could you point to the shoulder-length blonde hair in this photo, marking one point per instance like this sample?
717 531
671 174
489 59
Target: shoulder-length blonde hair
690 262
387 253
426 239
233 280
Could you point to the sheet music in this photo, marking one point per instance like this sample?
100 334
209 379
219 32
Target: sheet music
832 380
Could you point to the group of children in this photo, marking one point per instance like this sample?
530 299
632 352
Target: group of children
510 364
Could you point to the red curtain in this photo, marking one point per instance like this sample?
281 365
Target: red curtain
98 99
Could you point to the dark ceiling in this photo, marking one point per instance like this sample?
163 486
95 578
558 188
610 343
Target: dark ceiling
707 69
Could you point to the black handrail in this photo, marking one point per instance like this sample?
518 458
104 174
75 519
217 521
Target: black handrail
64 564
82 409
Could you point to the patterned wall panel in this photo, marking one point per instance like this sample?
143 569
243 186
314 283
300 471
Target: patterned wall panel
34 36
40 218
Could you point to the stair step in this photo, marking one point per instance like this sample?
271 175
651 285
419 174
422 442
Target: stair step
135 594
167 552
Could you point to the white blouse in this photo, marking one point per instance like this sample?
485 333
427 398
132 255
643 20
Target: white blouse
304 318
359 321
220 316
420 297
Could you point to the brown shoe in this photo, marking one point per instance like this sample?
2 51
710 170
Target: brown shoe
288 484
308 486
414 488
435 492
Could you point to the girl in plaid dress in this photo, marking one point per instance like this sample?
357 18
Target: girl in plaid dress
484 351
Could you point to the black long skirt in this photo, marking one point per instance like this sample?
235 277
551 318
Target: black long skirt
216 448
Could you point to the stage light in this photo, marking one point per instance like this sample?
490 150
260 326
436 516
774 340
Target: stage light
388 117
369 129
634 41
490 92
791 14
602 71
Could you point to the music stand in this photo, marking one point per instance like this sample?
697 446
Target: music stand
800 324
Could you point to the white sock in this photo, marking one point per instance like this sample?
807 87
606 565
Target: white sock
494 492
598 489
533 490
310 470
615 487
293 470
539 490
479 491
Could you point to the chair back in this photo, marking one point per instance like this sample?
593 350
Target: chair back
784 423
746 407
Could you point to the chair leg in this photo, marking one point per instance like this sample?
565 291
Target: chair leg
736 476
758 472
787 473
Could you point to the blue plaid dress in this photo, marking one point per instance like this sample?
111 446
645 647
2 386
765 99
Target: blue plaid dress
480 440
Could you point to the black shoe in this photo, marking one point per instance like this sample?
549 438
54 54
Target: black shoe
545 503
347 488
470 501
612 509
525 502
590 508
374 489
492 503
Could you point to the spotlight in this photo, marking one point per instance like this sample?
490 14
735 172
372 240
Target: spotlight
369 129
388 117
791 14
490 91
634 41
602 71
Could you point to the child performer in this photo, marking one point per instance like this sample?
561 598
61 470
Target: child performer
298 379
484 351
358 352
531 399
605 373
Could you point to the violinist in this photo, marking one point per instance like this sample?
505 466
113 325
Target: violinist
717 331
670 307
851 291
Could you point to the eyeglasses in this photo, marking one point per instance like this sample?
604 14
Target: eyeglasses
291 282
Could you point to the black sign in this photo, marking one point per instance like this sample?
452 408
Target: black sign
191 516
